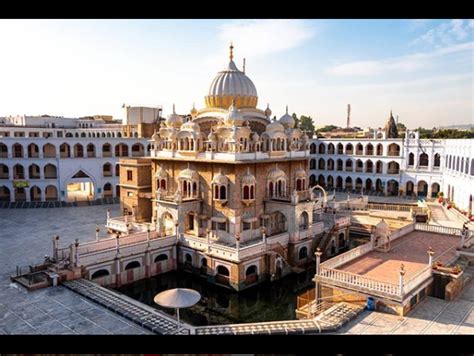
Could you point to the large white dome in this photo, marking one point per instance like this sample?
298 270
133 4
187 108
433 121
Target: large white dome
232 86
232 81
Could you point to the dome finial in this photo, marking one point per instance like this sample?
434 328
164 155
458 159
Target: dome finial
231 47
244 66
174 112
286 109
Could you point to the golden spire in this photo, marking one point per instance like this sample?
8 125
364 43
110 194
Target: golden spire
231 47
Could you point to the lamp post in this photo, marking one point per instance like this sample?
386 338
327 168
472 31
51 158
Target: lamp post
264 236
148 235
97 233
430 256
318 254
402 273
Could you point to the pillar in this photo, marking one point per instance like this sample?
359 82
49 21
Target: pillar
72 255
402 273
97 233
237 241
430 256
108 214
76 251
55 247
317 287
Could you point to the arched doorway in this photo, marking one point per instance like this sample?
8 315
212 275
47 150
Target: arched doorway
434 190
222 276
422 188
80 187
35 193
409 188
251 275
4 194
392 187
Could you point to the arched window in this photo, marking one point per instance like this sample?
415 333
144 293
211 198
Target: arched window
246 192
379 149
322 148
303 253
312 148
423 160
161 257
321 164
163 184
340 149
223 193
107 170
411 159
133 264
349 149
437 160
331 149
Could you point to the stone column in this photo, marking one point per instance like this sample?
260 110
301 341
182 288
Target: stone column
237 241
72 255
108 214
402 273
76 259
55 247
430 256
208 235
264 236
317 287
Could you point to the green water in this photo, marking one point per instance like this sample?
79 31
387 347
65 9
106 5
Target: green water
218 305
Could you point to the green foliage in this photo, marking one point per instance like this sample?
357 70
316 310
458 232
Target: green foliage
444 133
401 127
327 128
306 124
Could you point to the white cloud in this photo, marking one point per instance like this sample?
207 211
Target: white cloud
446 33
263 37
404 64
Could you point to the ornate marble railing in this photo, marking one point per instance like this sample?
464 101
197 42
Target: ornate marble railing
126 250
439 229
345 257
360 283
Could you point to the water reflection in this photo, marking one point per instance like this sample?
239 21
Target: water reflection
218 305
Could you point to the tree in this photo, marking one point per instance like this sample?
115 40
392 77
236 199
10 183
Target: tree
327 128
306 124
401 127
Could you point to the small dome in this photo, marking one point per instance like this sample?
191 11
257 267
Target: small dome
219 178
268 112
287 120
161 173
274 126
174 120
190 126
234 117
255 137
300 173
248 178
194 111
276 173
189 174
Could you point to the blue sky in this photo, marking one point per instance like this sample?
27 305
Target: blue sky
421 69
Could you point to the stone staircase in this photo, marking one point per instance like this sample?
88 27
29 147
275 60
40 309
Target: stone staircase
328 321
141 314
280 250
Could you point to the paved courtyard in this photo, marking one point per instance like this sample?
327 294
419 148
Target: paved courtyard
25 238
432 316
